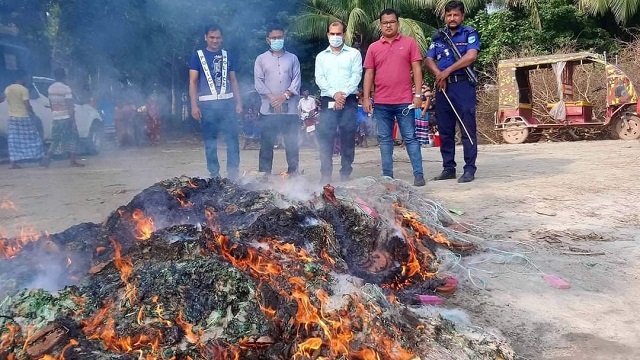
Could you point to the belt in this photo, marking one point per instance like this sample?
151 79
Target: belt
348 96
457 78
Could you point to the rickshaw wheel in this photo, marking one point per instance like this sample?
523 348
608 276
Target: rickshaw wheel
626 131
515 132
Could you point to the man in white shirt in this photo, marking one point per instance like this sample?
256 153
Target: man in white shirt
307 105
64 131
338 73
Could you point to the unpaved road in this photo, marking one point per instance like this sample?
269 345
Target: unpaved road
547 202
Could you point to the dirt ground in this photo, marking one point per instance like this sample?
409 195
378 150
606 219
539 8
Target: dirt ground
567 209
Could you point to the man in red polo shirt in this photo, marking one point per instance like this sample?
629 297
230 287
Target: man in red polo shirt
390 63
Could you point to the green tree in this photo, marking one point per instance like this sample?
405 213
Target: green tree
361 18
506 32
622 10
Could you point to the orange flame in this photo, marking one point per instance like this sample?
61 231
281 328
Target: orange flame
7 338
411 219
144 225
9 248
334 330
325 256
191 337
254 263
308 346
72 343
212 219
125 266
191 183
141 316
101 326
182 198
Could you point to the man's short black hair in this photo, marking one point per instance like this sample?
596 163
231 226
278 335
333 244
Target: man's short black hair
453 5
334 23
59 74
389 12
212 27
274 27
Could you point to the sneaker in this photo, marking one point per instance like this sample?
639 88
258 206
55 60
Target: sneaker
419 181
466 177
446 175
325 179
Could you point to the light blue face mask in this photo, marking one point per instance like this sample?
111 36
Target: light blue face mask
277 44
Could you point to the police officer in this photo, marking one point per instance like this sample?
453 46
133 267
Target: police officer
451 78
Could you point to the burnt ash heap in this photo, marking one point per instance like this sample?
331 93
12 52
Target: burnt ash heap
206 269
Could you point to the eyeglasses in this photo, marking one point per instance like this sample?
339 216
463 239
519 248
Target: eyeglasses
387 23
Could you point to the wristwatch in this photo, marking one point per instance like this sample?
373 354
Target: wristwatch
417 96
286 96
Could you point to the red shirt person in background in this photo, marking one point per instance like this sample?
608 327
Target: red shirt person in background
390 63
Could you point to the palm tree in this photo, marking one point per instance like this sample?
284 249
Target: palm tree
622 10
361 19
531 5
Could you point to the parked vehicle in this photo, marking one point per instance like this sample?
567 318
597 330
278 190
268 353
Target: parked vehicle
88 120
515 119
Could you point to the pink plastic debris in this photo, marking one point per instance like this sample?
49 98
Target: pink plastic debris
556 281
451 281
363 205
430 299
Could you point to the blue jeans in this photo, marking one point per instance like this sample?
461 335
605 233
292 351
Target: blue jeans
214 121
385 116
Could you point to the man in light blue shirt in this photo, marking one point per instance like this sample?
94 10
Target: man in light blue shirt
338 74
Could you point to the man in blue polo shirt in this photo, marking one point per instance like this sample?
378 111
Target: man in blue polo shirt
214 95
452 79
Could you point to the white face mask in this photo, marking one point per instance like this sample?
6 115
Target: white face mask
335 40
276 44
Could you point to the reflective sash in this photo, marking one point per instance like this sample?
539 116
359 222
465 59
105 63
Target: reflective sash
207 73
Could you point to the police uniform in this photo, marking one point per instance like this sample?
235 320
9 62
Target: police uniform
462 93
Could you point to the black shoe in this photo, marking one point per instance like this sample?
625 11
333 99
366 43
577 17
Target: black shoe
466 177
419 181
345 178
446 175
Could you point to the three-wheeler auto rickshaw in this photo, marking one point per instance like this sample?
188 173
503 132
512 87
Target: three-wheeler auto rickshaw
515 117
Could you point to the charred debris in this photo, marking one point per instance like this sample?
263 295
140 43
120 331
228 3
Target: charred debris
208 269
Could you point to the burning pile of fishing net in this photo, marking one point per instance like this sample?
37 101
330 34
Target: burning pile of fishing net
208 269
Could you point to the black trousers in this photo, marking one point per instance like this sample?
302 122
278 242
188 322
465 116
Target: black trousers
272 125
331 121
463 97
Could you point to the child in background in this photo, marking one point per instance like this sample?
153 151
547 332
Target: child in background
362 118
423 115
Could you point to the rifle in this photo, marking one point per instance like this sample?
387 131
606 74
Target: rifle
456 53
